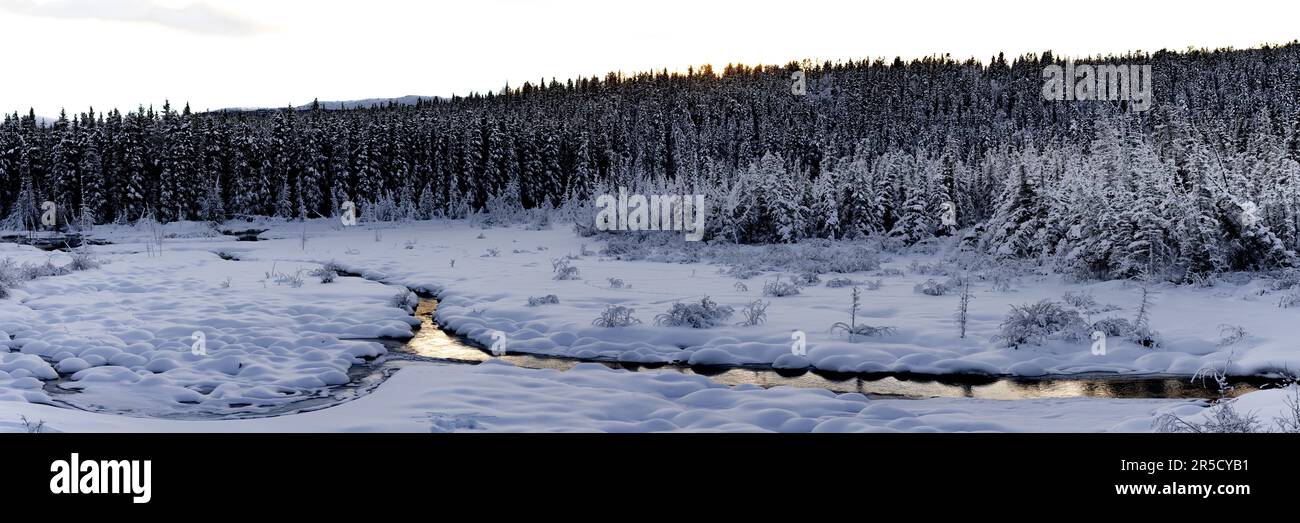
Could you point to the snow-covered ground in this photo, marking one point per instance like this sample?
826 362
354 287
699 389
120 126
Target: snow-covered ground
123 334
496 396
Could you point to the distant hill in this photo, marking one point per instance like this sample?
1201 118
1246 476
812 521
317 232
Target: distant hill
369 102
340 104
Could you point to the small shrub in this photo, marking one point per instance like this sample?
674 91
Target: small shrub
564 270
1224 419
740 287
8 277
616 283
1286 280
926 269
48 269
778 288
1289 300
1231 335
491 253
225 284
549 299
405 300
292 280
755 313
83 260
1086 304
806 279
325 274
1038 322
703 315
932 288
32 427
742 272
890 272
838 283
1082 300
873 285
862 331
1113 327
615 316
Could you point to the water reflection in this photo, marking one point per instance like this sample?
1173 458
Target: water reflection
433 342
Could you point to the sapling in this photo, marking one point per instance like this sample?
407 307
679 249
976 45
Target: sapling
963 308
852 329
1142 333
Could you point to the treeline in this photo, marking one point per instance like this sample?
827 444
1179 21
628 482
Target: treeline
1204 182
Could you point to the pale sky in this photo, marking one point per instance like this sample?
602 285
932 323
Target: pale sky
271 53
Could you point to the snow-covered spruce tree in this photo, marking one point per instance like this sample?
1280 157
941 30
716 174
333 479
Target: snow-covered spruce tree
824 212
24 214
860 211
1014 231
1144 216
918 215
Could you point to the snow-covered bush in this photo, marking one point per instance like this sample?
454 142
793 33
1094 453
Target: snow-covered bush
927 269
1113 327
778 288
1286 279
1231 334
564 270
1288 300
1038 322
861 330
9 276
806 279
616 283
755 313
83 260
28 271
703 315
615 316
1224 419
326 274
890 272
838 283
549 299
1082 300
742 272
405 300
932 288
491 253
840 258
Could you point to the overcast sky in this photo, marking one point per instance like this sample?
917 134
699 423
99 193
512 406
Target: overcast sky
244 53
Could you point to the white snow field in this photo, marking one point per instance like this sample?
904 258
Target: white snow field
496 396
124 334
